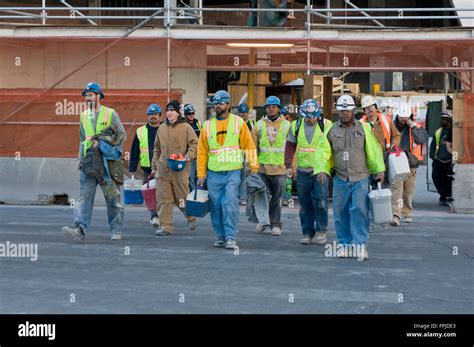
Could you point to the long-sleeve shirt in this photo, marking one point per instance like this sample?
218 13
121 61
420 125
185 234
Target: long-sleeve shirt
115 123
135 151
245 141
176 138
273 127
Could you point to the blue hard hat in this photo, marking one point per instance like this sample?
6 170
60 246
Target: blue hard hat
93 88
243 108
283 110
273 100
188 109
153 109
310 109
176 165
221 96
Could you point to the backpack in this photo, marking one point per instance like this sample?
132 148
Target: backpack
92 164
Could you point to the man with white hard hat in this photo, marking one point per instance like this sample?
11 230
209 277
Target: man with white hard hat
413 136
350 147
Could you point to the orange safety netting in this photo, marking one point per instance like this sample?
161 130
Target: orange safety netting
49 127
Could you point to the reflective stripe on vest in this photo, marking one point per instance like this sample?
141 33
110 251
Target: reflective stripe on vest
385 128
142 135
438 140
103 121
415 149
272 154
306 152
226 157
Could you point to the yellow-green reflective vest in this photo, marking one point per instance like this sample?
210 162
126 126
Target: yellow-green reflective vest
103 121
272 154
438 140
142 135
226 157
306 152
373 152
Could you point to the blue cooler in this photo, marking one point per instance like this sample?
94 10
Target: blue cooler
132 193
197 203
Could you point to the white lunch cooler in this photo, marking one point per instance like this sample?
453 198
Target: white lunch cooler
398 167
381 204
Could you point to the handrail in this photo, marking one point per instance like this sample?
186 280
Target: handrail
197 13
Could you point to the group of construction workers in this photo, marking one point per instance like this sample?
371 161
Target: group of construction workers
227 150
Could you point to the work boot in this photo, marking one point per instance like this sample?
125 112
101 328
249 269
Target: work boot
219 243
116 236
276 231
192 224
321 238
155 222
259 228
306 240
162 232
363 254
396 221
74 234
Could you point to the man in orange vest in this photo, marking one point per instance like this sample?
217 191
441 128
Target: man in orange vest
382 126
413 136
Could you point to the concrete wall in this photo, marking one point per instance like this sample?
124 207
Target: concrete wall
183 79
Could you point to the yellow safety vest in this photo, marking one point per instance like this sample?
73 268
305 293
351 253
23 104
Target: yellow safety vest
104 120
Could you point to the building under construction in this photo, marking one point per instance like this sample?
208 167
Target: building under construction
144 52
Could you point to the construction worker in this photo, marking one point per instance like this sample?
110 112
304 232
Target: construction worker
243 110
441 152
142 148
413 136
352 149
382 126
92 122
223 140
175 136
244 113
303 138
270 135
189 113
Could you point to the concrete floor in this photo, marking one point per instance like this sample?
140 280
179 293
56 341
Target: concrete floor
412 269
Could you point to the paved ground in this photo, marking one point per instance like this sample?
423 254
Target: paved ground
411 270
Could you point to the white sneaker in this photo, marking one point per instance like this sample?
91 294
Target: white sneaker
231 244
276 231
408 220
155 222
259 228
116 237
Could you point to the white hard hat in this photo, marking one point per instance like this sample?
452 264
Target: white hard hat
345 102
404 110
446 114
367 101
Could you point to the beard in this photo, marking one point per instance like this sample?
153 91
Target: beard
220 111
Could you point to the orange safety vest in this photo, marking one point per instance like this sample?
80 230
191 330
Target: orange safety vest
384 122
415 149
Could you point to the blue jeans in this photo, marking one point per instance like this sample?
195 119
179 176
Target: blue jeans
242 187
223 189
85 204
313 198
192 175
351 206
